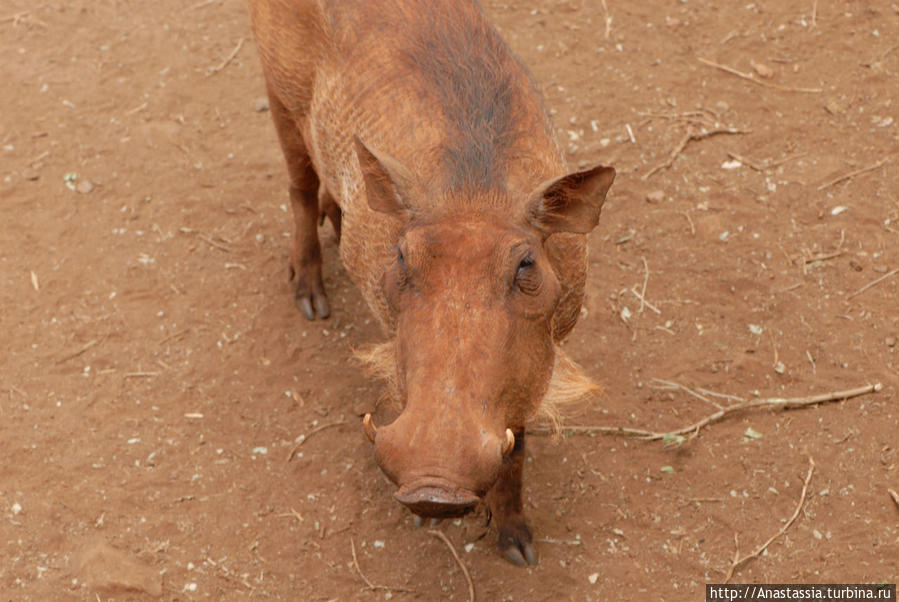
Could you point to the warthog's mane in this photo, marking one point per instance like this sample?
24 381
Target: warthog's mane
567 386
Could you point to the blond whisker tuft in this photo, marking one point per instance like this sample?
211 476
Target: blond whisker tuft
568 386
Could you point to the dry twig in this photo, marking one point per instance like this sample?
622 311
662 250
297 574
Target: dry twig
692 134
608 20
750 77
872 283
895 496
75 354
693 429
739 561
371 585
852 174
230 57
305 438
440 535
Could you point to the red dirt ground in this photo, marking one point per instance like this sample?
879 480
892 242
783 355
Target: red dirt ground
156 374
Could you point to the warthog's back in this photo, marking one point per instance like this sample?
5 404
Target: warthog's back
432 84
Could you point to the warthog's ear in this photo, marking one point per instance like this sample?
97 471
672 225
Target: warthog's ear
387 181
570 203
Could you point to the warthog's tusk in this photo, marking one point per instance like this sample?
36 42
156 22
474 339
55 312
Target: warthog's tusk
509 443
369 428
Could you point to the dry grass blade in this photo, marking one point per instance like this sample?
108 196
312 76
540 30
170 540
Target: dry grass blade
738 561
441 536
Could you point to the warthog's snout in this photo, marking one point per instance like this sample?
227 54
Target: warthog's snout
436 501
438 477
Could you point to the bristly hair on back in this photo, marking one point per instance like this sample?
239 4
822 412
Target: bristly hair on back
478 86
567 387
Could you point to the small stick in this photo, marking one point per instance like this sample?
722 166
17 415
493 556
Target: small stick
872 283
41 156
766 164
852 174
745 161
643 301
141 374
895 496
230 58
202 4
215 244
305 438
721 395
881 56
370 585
749 77
137 109
739 561
642 295
824 257
676 385
608 20
561 542
686 214
84 348
786 404
691 134
440 535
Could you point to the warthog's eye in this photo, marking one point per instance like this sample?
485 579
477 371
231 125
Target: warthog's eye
402 275
527 277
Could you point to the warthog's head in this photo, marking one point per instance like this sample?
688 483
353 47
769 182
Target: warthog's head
473 293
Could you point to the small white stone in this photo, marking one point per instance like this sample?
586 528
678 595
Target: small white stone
592 578
16 508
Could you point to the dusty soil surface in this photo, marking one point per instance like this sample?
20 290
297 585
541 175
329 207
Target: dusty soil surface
156 375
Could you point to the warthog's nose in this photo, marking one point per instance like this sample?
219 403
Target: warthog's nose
432 501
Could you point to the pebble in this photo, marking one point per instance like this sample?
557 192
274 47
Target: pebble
762 69
84 186
656 196
890 341
260 105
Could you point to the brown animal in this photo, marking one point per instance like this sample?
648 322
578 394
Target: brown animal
413 127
